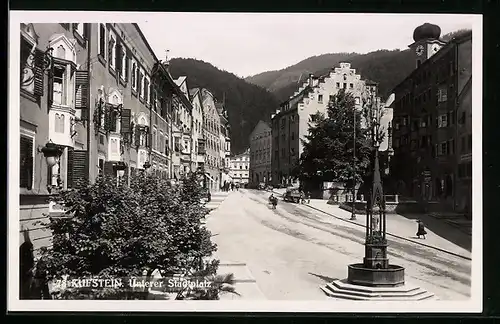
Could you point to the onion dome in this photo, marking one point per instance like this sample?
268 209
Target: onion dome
426 31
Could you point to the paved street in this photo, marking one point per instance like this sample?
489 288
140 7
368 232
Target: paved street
293 250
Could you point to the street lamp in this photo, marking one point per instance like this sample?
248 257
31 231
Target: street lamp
353 210
52 153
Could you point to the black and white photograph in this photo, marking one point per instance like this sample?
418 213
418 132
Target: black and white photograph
258 162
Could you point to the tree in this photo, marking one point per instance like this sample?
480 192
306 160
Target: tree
111 231
328 148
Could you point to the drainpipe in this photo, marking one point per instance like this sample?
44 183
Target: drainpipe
88 169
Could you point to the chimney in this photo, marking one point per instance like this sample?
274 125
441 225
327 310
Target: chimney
311 80
167 62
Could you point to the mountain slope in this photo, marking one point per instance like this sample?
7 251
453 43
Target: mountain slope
388 68
246 103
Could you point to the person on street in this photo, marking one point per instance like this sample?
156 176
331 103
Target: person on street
232 186
273 201
421 229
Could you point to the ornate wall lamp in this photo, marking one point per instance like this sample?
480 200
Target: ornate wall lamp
52 152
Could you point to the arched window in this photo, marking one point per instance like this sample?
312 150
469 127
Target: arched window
61 52
61 127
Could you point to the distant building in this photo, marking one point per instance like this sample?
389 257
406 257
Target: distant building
225 144
432 133
240 165
260 153
290 122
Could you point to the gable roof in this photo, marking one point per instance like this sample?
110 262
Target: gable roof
261 122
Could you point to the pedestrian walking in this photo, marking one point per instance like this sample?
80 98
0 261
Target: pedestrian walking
232 186
421 229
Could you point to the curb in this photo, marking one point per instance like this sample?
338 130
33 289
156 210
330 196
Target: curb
393 235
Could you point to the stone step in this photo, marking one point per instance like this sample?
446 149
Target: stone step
343 290
344 285
424 296
385 294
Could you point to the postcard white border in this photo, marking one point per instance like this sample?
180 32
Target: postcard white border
473 305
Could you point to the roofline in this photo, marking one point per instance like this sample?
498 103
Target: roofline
145 41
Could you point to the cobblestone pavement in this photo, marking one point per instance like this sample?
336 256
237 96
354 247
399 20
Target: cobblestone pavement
293 250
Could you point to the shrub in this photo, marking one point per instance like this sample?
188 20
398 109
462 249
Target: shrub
111 231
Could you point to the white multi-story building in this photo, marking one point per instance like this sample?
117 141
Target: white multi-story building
240 167
290 124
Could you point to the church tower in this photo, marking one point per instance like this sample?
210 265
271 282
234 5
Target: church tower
427 42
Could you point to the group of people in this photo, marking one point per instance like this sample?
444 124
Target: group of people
230 186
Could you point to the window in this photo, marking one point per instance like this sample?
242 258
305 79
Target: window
102 41
114 146
442 121
59 123
443 148
101 167
345 77
351 85
26 162
177 143
124 63
338 85
293 136
134 75
345 85
320 98
141 83
146 89
59 86
154 139
112 50
442 94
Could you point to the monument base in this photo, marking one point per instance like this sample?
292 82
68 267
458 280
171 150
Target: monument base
341 289
392 276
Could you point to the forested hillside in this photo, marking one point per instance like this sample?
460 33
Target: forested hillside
246 103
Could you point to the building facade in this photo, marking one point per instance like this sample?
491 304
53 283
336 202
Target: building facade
211 133
240 168
290 122
183 137
225 144
127 112
198 142
54 101
431 109
260 154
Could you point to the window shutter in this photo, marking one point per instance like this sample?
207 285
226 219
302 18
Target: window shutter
38 72
80 162
108 116
70 172
148 137
137 136
118 58
82 90
26 165
125 121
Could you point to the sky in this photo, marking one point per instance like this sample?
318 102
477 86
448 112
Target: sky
247 44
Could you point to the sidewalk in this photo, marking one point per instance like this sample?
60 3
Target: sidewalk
403 227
